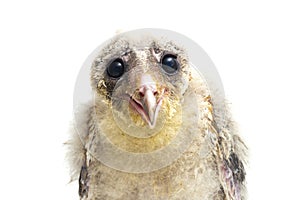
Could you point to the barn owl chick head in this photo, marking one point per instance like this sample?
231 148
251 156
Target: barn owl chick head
144 81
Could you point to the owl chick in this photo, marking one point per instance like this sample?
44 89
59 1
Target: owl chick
152 130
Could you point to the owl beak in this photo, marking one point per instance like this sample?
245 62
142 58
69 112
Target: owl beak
148 105
151 106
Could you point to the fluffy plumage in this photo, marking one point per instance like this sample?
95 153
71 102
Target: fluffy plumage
210 166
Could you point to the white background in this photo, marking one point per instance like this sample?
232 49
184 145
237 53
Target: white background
254 44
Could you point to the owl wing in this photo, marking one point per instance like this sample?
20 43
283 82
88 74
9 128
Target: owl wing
232 175
229 151
83 182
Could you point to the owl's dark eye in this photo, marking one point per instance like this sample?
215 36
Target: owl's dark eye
116 68
170 63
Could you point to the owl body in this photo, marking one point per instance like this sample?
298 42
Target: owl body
184 149
189 178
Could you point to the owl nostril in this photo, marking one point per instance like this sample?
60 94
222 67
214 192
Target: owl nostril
141 94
